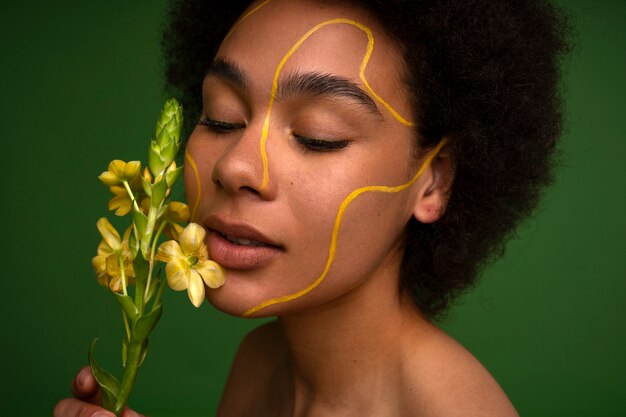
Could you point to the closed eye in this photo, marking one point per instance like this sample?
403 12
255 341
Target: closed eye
219 126
320 145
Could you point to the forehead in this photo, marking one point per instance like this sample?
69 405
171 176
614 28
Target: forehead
312 36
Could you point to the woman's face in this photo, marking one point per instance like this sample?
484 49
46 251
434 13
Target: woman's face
289 138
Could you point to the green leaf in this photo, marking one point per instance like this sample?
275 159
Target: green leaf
140 220
109 385
147 187
144 326
127 305
157 300
133 243
154 285
154 159
144 351
168 152
141 267
159 190
172 175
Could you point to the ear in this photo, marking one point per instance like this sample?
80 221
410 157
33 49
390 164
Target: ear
435 186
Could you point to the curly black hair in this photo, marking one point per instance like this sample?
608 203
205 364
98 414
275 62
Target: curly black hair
483 73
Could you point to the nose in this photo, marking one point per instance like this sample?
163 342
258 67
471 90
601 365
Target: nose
241 168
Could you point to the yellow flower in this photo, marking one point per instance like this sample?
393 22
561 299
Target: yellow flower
177 212
120 171
122 202
110 250
188 266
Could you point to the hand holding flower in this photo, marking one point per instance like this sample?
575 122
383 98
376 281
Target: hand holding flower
131 260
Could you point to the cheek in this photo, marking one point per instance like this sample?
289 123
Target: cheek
350 236
197 174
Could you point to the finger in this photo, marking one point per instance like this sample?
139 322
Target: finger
130 413
71 407
84 386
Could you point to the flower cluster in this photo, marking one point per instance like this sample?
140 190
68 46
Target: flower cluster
131 260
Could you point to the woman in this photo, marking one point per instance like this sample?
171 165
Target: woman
355 163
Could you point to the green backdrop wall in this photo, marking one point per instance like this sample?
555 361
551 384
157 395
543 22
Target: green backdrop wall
81 85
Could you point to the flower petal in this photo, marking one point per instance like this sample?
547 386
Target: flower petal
117 167
170 250
99 265
177 273
115 284
113 266
192 238
109 178
121 204
109 234
177 212
211 273
196 289
131 169
104 249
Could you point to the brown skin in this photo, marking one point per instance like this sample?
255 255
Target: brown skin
360 366
354 346
86 399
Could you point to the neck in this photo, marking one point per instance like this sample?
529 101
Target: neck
350 352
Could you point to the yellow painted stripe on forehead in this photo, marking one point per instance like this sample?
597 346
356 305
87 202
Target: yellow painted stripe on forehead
194 167
294 48
333 240
243 18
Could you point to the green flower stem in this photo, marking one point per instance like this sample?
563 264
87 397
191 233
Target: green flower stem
147 238
128 379
130 194
120 261
152 253
126 325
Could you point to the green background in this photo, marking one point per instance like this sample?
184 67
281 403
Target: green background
81 85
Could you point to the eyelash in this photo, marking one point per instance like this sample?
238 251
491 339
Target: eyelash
319 145
219 126
307 143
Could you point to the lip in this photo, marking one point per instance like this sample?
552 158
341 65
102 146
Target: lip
232 255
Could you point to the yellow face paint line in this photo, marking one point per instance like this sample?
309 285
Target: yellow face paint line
333 245
196 174
283 61
366 58
243 18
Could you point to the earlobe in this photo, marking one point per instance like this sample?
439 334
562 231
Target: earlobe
435 187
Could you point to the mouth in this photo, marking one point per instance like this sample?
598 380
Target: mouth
242 241
237 245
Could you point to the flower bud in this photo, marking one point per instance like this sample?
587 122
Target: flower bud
166 142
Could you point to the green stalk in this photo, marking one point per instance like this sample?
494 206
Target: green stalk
120 261
152 253
130 194
128 379
145 242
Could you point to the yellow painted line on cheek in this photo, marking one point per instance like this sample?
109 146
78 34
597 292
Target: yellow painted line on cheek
196 174
333 241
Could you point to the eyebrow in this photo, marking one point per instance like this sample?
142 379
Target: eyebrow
297 83
318 85
228 71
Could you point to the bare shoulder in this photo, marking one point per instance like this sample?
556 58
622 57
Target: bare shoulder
255 373
445 379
